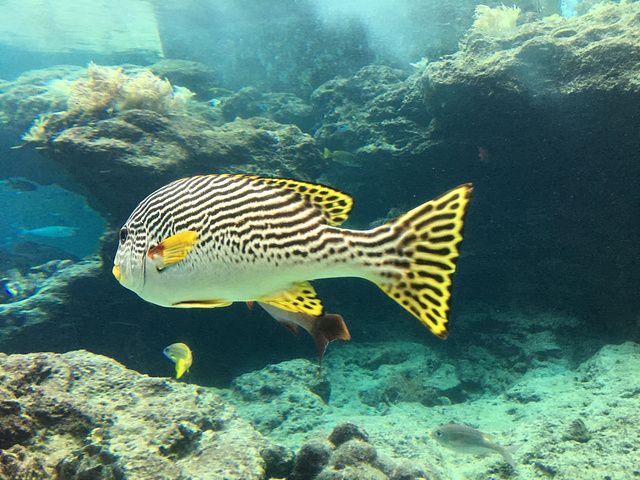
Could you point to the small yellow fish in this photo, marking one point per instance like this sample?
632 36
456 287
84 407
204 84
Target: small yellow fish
179 354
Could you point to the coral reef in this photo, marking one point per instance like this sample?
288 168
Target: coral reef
103 92
127 126
567 418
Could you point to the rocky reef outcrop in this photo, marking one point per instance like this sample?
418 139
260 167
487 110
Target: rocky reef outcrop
79 415
37 295
121 130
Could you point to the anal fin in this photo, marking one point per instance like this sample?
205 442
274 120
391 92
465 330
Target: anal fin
300 298
202 304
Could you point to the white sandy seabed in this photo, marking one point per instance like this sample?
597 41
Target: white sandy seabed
579 423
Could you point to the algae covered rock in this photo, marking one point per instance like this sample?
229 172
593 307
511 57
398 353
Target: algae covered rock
127 126
38 295
282 399
375 112
104 421
354 457
579 61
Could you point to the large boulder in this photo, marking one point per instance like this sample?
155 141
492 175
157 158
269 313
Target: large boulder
103 421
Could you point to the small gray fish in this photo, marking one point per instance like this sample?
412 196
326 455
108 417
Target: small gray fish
347 159
55 231
465 439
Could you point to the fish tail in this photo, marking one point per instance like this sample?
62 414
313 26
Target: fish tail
416 256
506 454
21 231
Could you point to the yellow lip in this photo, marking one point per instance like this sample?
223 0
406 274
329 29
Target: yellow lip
116 272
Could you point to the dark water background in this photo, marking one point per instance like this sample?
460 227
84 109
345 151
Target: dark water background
554 224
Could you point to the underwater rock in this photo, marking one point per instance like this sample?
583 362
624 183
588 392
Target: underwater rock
197 77
127 127
376 114
282 399
345 431
103 421
352 459
396 372
278 461
577 432
284 108
310 460
139 149
18 462
245 103
562 65
30 95
38 295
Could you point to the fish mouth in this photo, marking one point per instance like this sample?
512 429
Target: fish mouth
116 273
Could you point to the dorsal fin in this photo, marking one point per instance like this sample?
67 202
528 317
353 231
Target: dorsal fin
334 205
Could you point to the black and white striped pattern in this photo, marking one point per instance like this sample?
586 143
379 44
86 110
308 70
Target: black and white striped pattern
259 237
238 218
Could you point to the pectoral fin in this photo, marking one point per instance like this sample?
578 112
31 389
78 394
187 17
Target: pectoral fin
300 298
172 249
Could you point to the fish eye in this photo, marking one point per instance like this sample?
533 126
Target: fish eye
124 234
438 433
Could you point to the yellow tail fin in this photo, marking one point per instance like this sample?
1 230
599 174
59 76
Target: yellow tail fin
429 242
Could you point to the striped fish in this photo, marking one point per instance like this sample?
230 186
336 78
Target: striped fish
208 241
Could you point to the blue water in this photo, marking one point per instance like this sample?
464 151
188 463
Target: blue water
552 236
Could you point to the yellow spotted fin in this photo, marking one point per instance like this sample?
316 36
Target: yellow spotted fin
430 240
334 205
301 298
172 249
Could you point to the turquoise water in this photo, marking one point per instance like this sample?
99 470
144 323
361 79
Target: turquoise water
393 105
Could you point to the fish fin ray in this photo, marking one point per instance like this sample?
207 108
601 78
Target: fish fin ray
202 304
300 298
334 205
172 249
326 329
292 327
507 454
429 242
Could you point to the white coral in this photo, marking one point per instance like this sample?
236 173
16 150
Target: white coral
495 22
110 89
